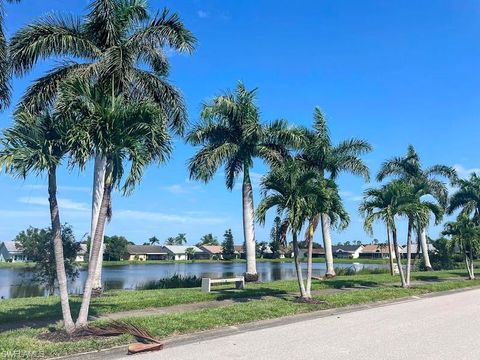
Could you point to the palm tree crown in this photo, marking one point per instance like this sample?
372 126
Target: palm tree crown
231 134
112 40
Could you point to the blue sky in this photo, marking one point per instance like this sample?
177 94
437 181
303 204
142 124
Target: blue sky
392 72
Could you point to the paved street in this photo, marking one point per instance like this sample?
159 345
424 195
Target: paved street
442 327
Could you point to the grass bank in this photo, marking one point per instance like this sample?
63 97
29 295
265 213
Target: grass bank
42 308
18 344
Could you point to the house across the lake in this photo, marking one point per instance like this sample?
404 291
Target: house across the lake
347 251
182 252
82 253
376 251
146 252
11 251
214 252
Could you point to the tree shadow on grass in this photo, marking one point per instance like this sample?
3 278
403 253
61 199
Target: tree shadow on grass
347 283
246 294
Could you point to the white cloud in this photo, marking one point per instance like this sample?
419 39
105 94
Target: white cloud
22 213
62 203
348 195
202 14
167 218
464 172
185 188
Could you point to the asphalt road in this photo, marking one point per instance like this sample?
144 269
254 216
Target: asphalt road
442 327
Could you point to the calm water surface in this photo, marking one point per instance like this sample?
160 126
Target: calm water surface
16 283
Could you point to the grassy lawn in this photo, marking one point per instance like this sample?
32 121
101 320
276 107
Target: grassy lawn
18 344
37 308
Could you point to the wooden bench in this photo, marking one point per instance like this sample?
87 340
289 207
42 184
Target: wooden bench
207 282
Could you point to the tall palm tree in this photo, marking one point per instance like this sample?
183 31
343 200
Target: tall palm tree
35 145
4 59
292 190
467 197
377 205
409 169
231 135
330 160
465 233
121 50
122 131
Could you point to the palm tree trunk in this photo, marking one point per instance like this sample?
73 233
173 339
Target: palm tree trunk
309 259
426 255
58 250
298 267
390 251
248 227
327 244
96 247
97 196
409 251
399 259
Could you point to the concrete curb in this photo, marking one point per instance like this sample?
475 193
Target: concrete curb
120 351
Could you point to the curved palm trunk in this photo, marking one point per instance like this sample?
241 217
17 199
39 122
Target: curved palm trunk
399 259
248 227
327 244
409 251
58 250
97 195
309 259
426 255
96 248
469 263
390 252
298 267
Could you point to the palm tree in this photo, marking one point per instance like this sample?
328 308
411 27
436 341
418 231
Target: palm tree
4 60
121 131
381 205
35 145
231 135
409 169
154 240
467 197
330 160
121 48
465 233
294 192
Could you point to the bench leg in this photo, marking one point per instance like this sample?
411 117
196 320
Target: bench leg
240 284
206 285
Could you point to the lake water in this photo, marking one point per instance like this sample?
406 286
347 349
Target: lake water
15 283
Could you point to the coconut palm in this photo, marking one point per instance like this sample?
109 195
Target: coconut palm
231 135
467 197
465 234
120 48
327 201
409 169
35 145
330 160
294 192
133 132
381 205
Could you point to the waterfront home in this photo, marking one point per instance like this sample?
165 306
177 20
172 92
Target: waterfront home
416 250
146 252
347 251
182 252
239 251
11 251
214 252
82 253
376 251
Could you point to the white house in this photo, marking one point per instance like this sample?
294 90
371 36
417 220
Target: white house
11 251
180 252
347 251
82 253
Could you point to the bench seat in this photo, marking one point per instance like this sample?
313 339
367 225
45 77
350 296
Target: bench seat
207 282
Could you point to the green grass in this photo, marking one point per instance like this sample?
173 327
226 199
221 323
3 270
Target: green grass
18 344
15 265
43 308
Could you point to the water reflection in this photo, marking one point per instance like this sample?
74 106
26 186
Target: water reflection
16 283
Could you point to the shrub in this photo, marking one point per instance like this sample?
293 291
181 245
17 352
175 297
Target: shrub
176 281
